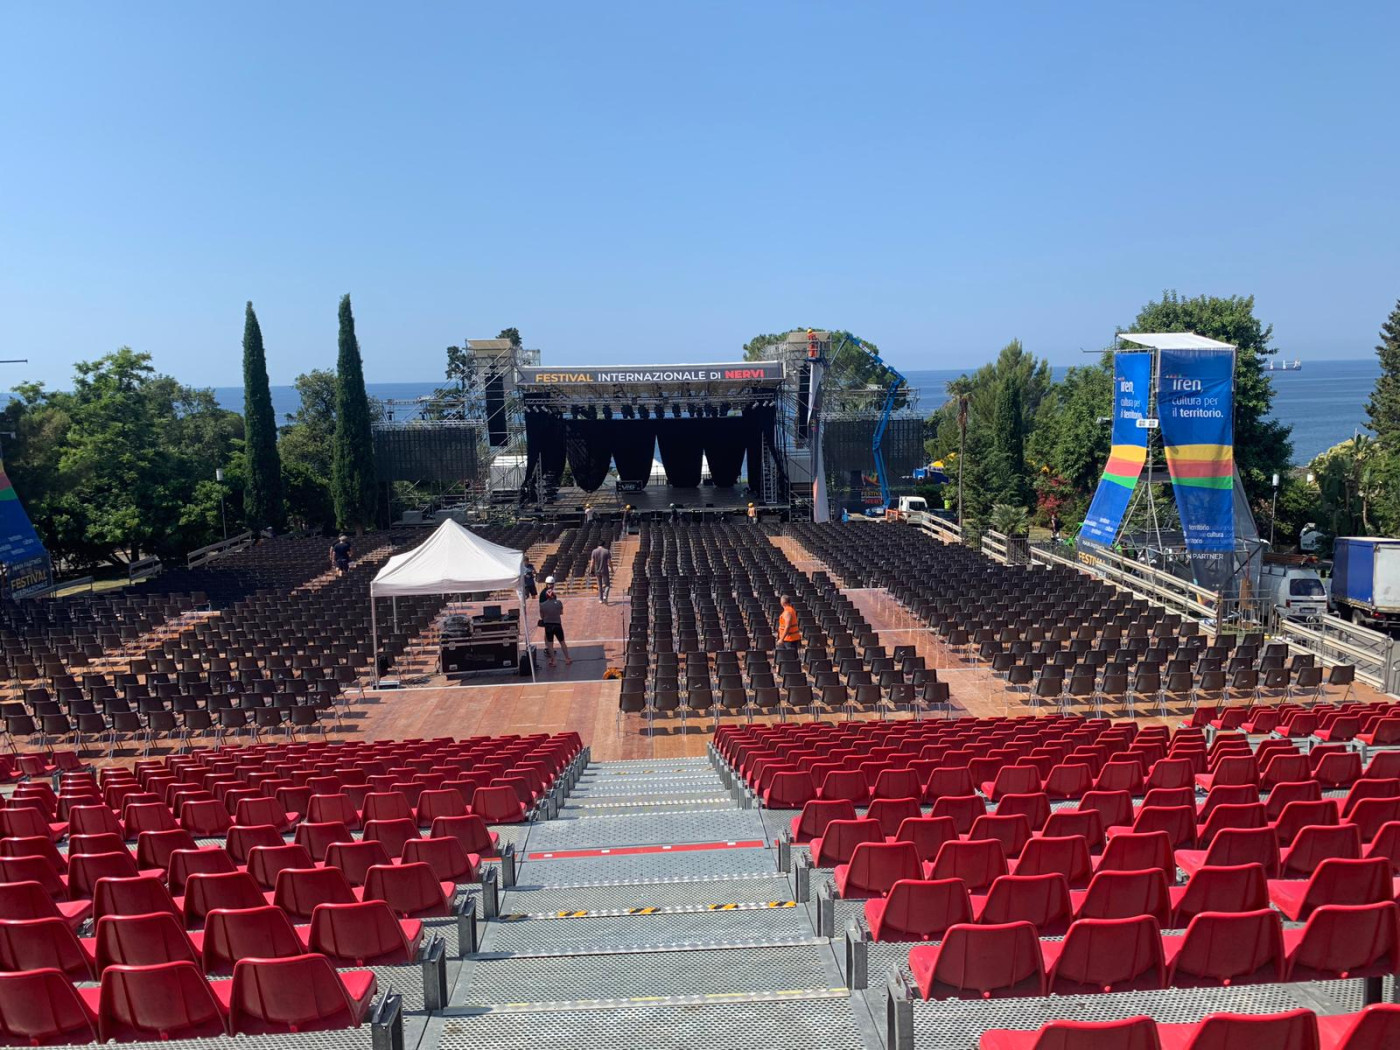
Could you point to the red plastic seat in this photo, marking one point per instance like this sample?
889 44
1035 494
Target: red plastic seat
1231 815
364 934
927 834
391 834
1230 770
42 944
1233 846
1177 822
839 840
1171 773
896 783
263 931
471 831
265 863
875 867
1042 900
153 848
1066 855
918 910
1124 894
317 837
1115 807
1386 843
146 816
1316 843
1106 955
1334 882
501 805
231 889
977 862
299 890
442 802
40 846
1369 814
790 789
1087 824
1120 775
1294 1030
1289 767
143 940
450 863
848 784
302 993
210 860
339 806
241 841
889 813
1134 851
1299 815
1226 888
1012 832
387 805
964 809
131 896
947 781
1374 1028
165 1001
411 890
28 899
816 815
1012 780
22 822
1338 769
42 1008
205 818
251 812
980 962
93 820
355 859
1221 948
86 868
1134 1033
1035 807
1069 780
1345 940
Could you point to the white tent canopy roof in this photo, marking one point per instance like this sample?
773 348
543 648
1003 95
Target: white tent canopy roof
452 559
1173 341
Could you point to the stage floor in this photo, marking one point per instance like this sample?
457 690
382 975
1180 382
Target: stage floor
657 499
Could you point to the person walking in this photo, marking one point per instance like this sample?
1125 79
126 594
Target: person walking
600 566
552 620
341 553
588 514
789 633
626 515
753 514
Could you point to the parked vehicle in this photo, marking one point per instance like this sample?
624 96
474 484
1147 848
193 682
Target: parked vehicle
1293 587
1366 581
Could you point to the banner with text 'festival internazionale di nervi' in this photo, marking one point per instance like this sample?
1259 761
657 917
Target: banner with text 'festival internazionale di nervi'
1195 404
1132 380
21 551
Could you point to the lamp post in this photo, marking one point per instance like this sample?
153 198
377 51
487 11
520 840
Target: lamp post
223 516
1273 514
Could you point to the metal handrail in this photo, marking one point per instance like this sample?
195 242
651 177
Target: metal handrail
198 557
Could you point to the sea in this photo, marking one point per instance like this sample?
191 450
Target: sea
1324 402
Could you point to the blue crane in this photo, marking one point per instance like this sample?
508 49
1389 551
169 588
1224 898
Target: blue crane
891 395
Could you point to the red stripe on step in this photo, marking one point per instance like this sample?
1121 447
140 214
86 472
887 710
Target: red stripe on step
632 851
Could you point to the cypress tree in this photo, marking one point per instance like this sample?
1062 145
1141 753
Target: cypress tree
262 497
1384 407
1008 479
352 450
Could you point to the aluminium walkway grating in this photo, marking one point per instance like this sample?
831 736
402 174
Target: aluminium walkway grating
689 891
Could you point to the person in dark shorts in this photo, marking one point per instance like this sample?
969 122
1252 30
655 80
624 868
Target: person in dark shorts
552 620
340 554
600 565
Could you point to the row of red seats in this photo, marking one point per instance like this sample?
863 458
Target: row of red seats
1375 725
174 1000
1374 1028
1338 942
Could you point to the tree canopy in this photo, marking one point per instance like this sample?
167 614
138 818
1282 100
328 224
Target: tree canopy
1383 409
262 494
352 450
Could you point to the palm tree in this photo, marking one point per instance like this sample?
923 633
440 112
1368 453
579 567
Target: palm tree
1010 520
960 390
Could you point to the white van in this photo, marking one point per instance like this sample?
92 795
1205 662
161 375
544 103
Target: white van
1296 591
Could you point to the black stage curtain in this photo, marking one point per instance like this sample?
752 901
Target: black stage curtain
681 442
590 454
725 440
758 425
544 447
633 444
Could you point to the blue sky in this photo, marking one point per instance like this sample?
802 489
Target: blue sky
658 182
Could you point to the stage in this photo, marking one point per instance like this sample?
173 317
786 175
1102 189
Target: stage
709 502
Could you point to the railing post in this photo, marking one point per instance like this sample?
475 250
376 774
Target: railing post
386 1022
826 912
899 1013
490 893
802 879
785 851
857 959
508 866
467 935
434 963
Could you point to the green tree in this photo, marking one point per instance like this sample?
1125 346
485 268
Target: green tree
1009 519
110 470
262 498
352 460
1262 445
960 392
511 334
1383 409
1008 463
853 366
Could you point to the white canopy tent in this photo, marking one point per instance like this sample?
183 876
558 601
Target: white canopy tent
452 560
1173 341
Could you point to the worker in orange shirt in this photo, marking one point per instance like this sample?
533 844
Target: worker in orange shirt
789 633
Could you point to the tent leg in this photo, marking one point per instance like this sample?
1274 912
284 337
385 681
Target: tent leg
374 635
395 601
526 630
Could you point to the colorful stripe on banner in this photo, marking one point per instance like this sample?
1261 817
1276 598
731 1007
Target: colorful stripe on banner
1195 402
1132 382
